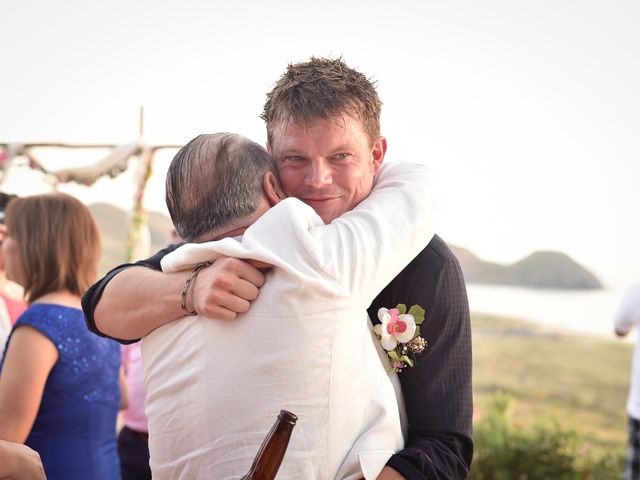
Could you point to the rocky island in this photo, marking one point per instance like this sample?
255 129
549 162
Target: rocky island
542 269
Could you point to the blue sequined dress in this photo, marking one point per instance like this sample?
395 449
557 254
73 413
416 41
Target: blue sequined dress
75 428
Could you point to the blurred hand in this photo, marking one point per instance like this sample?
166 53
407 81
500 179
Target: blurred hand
621 333
227 287
22 462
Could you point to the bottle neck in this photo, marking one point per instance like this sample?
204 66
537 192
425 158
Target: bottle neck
271 453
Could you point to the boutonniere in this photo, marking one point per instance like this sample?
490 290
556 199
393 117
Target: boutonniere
399 334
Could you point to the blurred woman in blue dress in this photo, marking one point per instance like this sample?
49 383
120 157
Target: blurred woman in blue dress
59 389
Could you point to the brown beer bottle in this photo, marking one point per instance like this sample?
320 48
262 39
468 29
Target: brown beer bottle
269 457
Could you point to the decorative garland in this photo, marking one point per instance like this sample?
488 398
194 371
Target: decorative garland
112 165
137 244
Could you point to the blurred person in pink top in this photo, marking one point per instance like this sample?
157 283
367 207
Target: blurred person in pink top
11 303
133 439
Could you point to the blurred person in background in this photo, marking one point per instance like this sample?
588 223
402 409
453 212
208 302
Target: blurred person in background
11 303
59 390
133 439
627 317
19 462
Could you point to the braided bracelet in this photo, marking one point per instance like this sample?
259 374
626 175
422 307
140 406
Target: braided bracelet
187 284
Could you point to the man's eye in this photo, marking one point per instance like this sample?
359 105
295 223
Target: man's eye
295 158
341 156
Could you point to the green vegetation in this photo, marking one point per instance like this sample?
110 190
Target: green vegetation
544 451
558 397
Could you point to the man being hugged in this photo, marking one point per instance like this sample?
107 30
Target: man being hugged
215 387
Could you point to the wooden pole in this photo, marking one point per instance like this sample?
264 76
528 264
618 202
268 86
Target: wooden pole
141 121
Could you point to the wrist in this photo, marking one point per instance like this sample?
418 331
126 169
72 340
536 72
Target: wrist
187 296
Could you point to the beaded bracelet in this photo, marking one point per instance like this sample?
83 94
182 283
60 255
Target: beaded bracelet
187 284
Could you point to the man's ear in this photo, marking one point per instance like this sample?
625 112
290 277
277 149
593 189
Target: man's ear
378 152
272 190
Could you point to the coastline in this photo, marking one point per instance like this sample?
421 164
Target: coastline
582 312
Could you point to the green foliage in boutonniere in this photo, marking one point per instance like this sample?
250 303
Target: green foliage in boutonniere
399 334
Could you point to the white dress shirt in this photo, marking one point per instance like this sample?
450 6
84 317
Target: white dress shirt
627 317
214 388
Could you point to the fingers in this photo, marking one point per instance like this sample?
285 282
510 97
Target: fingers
245 290
258 264
248 270
224 305
226 288
218 313
228 273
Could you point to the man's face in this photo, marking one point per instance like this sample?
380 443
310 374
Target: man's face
329 165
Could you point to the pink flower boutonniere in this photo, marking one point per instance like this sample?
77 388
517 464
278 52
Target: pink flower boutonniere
399 334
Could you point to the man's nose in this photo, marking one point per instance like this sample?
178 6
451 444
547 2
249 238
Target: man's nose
319 174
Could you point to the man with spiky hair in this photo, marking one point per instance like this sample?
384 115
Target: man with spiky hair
323 131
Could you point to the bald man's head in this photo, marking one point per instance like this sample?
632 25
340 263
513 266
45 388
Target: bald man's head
213 181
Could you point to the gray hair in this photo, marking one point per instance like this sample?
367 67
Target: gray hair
214 180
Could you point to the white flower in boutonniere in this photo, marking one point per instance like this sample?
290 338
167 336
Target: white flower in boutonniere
399 334
395 327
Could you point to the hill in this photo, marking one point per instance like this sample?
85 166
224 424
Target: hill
543 269
114 227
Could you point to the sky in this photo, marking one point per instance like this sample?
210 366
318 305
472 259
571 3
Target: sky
528 111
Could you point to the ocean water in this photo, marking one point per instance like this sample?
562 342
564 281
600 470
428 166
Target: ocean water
587 312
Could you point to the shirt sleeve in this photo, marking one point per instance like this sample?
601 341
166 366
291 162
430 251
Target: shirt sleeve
51 330
366 247
360 251
92 296
628 314
437 391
